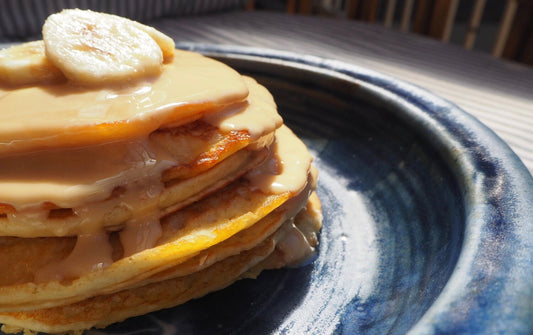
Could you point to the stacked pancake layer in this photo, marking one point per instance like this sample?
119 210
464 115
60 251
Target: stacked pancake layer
119 200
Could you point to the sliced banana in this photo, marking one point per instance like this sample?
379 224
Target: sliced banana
26 64
165 43
91 48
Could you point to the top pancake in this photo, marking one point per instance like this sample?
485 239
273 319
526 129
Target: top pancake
66 115
70 191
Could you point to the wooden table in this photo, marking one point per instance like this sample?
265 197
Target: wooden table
498 93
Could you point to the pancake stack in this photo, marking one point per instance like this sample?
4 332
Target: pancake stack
135 177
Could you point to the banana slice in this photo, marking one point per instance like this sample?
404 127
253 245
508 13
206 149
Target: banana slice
26 64
91 48
165 43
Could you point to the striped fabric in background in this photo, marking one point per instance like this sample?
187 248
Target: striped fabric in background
23 19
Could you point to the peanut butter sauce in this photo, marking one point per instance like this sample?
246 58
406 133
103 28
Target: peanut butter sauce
68 115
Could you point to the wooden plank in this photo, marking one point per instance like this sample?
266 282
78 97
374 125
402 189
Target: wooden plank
473 25
389 13
291 6
422 18
435 18
518 46
407 13
450 19
351 8
527 54
438 18
505 27
305 7
369 10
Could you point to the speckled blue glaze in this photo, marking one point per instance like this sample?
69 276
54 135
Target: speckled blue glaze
428 216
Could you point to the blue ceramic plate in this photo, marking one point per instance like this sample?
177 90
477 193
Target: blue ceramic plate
428 216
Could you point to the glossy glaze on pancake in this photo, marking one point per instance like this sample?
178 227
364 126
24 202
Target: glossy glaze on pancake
188 88
186 232
69 191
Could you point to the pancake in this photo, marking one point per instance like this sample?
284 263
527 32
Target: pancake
189 87
92 188
181 235
100 311
138 195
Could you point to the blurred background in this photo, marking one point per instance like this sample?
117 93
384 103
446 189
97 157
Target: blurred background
503 28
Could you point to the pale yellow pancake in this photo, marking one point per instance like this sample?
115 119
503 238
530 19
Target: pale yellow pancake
182 235
187 281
